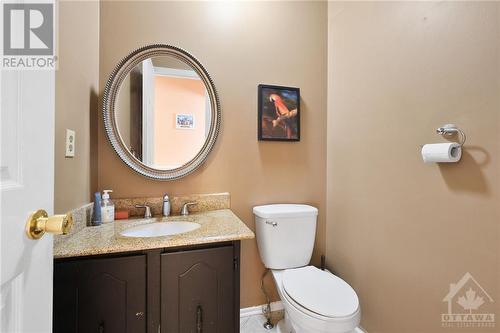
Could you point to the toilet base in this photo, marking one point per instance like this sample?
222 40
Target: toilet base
281 327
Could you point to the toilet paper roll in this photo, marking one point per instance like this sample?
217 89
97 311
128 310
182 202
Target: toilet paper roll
442 152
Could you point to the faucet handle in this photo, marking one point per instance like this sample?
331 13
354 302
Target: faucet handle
147 210
185 207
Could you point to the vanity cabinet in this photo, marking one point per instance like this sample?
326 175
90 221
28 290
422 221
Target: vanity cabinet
197 293
100 295
180 290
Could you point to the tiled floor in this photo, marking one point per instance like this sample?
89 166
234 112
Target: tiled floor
254 324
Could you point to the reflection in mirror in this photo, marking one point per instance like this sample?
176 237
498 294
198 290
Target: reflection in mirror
163 112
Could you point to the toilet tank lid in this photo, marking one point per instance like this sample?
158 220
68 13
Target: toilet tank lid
285 210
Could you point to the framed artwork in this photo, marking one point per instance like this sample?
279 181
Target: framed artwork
279 113
184 121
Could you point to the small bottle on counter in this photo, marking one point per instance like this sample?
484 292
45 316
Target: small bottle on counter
107 207
96 213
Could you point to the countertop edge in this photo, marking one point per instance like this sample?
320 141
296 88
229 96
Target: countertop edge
117 251
61 253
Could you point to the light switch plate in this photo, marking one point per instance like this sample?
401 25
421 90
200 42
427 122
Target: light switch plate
70 143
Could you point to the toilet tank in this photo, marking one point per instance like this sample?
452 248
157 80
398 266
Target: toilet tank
285 234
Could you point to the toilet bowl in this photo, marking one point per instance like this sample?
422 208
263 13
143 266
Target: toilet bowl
315 301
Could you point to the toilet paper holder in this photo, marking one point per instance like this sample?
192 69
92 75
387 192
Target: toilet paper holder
450 152
451 129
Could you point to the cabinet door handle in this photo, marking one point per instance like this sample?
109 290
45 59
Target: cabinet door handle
100 329
199 319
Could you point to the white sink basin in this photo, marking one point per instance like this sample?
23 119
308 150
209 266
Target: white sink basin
158 229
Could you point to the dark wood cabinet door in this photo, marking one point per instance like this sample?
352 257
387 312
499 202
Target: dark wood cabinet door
198 291
65 308
110 296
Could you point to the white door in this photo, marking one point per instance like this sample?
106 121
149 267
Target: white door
26 184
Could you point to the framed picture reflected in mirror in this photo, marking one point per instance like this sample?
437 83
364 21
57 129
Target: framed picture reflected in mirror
184 121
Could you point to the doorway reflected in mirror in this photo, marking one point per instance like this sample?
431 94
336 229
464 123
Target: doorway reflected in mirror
163 112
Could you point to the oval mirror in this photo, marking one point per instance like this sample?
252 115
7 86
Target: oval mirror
161 112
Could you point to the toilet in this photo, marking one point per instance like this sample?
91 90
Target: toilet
315 301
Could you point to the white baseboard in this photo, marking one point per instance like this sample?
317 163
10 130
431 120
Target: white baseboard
360 329
257 310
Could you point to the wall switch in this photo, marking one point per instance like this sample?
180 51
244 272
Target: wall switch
70 143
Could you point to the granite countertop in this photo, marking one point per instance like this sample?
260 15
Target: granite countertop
216 226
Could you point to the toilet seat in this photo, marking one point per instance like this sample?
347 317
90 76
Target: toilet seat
319 293
317 318
306 321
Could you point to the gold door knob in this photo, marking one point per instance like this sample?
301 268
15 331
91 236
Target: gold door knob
39 223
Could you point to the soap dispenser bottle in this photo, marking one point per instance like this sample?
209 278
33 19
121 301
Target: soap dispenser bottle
107 207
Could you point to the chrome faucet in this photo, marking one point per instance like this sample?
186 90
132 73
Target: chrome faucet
147 210
185 207
166 205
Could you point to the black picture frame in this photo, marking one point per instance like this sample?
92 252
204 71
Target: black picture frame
289 97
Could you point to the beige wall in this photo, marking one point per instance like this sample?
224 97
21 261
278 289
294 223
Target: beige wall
241 44
77 83
401 231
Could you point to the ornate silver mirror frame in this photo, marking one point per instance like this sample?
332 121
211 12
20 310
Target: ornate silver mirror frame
110 94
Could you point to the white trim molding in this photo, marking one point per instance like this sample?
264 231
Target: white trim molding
148 114
258 309
178 73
